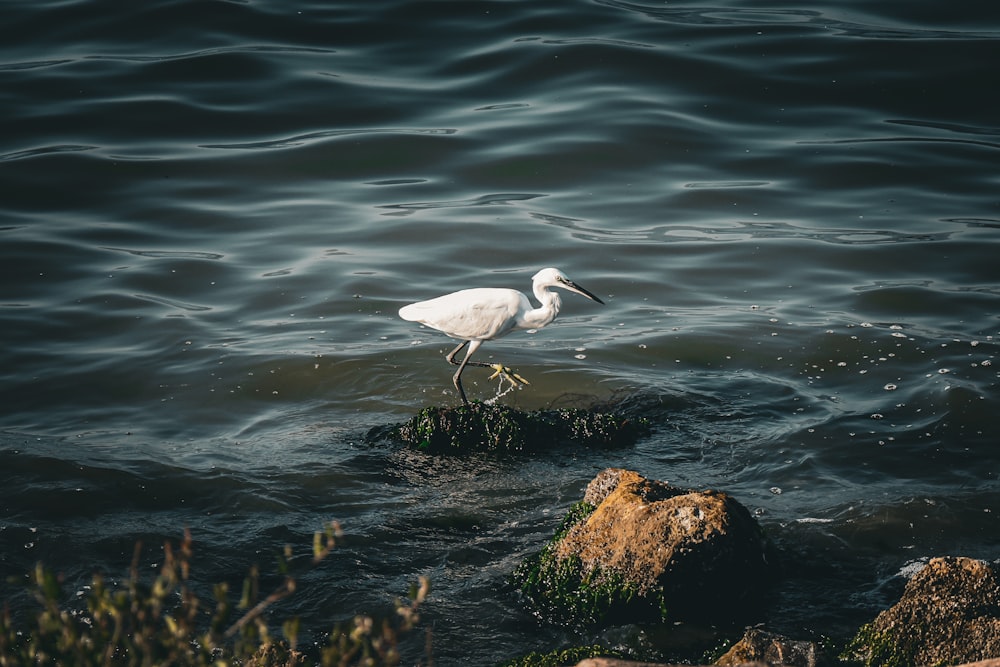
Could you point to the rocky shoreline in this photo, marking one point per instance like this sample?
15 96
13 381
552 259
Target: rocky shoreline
640 551
648 552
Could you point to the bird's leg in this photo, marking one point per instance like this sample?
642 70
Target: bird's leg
457 379
499 369
451 355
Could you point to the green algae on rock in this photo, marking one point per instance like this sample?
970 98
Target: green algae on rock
559 590
568 656
479 427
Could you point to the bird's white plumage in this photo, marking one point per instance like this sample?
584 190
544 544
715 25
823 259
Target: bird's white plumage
481 314
470 314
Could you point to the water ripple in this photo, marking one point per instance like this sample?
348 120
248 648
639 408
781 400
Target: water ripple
173 303
596 41
951 127
170 254
45 150
222 50
33 64
914 139
820 20
988 223
499 199
312 137
739 231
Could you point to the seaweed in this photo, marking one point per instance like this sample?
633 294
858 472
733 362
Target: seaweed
479 427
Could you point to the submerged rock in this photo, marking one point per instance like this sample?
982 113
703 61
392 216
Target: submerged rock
480 427
642 550
761 647
949 614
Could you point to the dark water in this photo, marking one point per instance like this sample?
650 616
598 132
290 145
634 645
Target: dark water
212 210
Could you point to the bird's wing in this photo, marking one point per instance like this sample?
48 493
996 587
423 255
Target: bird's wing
472 314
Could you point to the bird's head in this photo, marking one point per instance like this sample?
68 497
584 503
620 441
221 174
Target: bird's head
555 278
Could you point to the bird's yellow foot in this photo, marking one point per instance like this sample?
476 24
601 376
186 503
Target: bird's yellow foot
505 371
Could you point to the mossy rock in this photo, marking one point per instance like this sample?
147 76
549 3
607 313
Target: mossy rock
561 590
949 614
642 551
479 427
569 656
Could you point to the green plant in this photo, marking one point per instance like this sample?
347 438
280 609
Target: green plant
873 648
162 622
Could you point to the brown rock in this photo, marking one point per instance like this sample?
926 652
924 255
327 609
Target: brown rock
771 649
701 548
949 614
606 481
615 662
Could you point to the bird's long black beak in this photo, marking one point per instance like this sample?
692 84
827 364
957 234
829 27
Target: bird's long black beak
573 287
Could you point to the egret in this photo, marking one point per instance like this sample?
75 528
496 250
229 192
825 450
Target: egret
481 314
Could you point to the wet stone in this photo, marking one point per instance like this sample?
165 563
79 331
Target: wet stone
647 551
949 614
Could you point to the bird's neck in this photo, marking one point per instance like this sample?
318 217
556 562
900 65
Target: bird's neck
544 314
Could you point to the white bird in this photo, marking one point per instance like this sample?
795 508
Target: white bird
476 315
